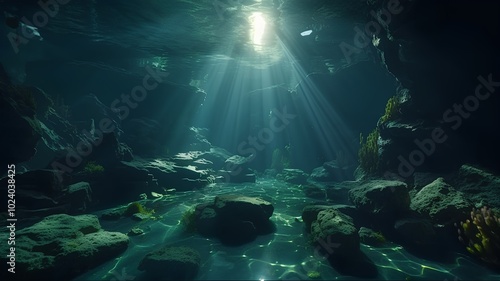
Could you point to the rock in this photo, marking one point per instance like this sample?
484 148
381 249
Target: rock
479 185
79 196
234 219
315 192
135 232
87 109
39 193
236 176
143 135
140 217
416 232
336 234
51 247
339 192
253 209
112 215
168 174
397 142
310 213
422 179
441 203
437 86
320 174
236 170
171 263
217 156
370 237
294 176
340 169
44 181
381 197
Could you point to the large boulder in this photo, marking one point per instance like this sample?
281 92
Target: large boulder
480 186
441 203
50 247
334 234
171 263
310 213
234 219
381 197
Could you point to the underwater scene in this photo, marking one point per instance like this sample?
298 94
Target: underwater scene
250 140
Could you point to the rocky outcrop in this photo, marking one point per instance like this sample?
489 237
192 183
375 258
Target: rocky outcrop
460 102
337 231
441 203
50 247
370 237
39 193
171 263
381 197
480 186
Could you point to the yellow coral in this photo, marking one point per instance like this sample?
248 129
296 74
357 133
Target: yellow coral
482 235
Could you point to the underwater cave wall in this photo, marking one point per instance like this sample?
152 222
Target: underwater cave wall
445 56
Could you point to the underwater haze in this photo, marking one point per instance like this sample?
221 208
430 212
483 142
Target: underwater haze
250 140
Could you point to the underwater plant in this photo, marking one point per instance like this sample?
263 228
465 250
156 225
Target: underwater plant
481 235
368 152
92 168
313 275
137 208
391 109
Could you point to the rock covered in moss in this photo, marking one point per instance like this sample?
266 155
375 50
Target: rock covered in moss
171 263
382 197
441 203
335 234
51 247
370 237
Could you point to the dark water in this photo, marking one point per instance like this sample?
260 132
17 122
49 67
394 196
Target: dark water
251 60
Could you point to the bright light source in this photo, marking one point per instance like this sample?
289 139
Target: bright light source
257 28
306 33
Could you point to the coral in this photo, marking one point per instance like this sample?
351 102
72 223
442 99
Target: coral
368 152
92 167
481 235
391 109
136 208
